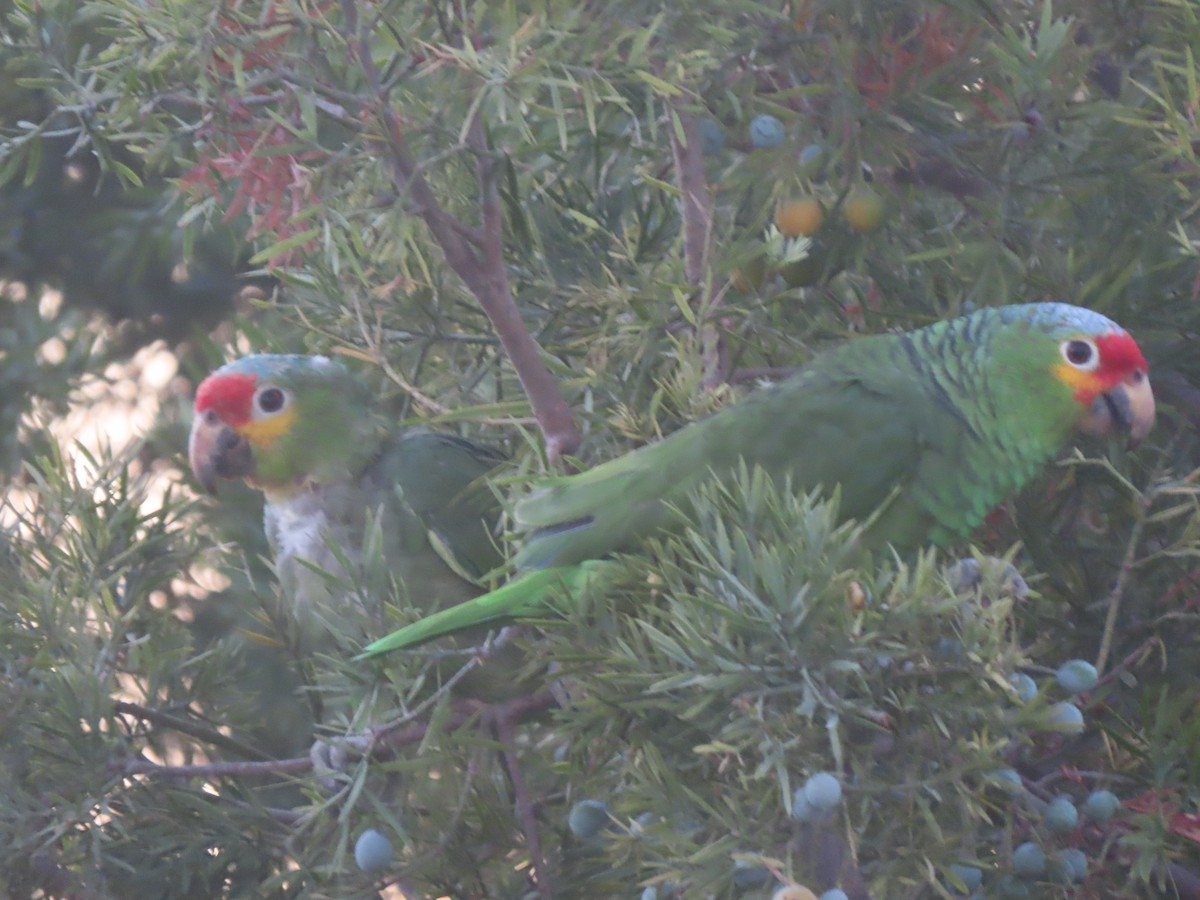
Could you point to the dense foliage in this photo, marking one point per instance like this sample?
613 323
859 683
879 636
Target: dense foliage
565 229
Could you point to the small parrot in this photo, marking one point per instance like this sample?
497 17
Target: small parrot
308 434
925 431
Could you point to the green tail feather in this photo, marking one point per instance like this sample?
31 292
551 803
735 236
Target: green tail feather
528 595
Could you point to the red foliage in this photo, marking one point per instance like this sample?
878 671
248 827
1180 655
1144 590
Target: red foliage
929 46
250 45
273 185
261 159
1166 804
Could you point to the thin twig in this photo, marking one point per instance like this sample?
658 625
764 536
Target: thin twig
1114 598
518 710
1130 660
218 769
371 338
525 812
380 732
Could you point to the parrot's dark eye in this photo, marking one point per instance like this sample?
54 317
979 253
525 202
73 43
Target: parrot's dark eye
271 400
1081 354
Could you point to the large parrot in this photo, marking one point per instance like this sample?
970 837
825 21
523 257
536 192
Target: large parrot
308 434
925 431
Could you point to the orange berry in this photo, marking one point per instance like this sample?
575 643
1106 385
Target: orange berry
863 210
800 217
793 892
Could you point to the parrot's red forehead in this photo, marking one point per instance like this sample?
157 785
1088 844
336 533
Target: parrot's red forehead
227 395
1119 355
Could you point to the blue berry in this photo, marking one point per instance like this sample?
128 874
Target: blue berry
587 818
1076 676
1008 779
948 648
1029 860
970 876
766 132
1012 888
747 875
1025 687
372 851
834 894
823 791
1064 717
1061 815
804 811
1100 806
812 159
1073 864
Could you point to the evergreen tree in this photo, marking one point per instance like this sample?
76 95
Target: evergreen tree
566 229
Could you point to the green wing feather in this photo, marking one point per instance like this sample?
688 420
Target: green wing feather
442 479
525 596
824 427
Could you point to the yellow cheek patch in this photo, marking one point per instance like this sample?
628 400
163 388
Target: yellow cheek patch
263 433
1084 384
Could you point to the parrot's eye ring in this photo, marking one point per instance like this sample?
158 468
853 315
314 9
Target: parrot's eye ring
1082 354
270 400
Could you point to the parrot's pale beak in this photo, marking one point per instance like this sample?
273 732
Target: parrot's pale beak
1127 408
217 451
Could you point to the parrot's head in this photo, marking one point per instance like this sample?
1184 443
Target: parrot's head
1098 376
281 422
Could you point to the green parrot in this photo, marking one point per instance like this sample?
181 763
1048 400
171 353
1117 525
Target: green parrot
307 433
925 432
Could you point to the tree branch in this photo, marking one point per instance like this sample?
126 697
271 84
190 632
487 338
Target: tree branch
551 410
476 257
382 742
696 212
1118 591
525 811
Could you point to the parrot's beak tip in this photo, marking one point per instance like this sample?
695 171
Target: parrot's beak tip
1141 409
1128 408
215 451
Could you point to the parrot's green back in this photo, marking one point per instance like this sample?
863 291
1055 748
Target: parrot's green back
922 433
928 419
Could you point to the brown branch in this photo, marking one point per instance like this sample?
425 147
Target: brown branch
382 742
1185 884
525 811
696 213
217 769
1118 591
475 256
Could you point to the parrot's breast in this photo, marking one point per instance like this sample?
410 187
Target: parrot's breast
301 530
297 526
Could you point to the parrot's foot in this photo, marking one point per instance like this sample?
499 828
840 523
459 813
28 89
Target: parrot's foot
331 761
970 573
